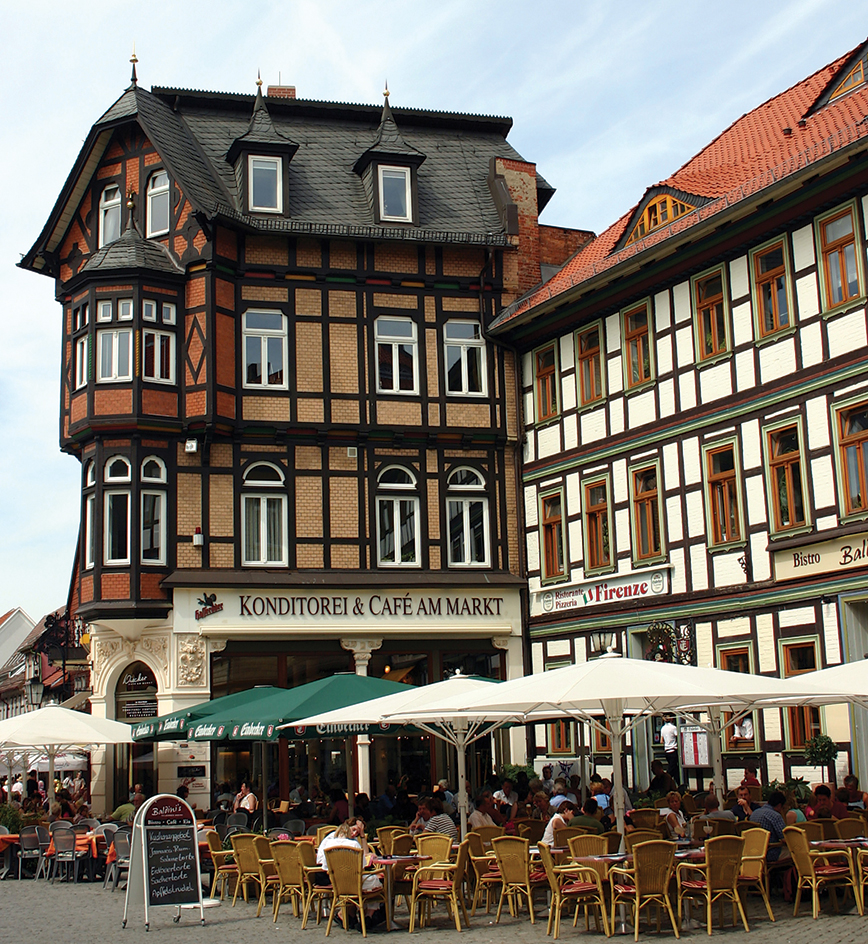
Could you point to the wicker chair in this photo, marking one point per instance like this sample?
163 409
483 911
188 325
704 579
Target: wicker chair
563 835
754 873
290 875
860 867
268 877
486 873
385 834
533 830
719 877
487 833
224 867
645 818
649 881
322 832
345 866
851 827
312 891
445 881
517 880
613 837
572 884
640 835
436 845
688 804
248 863
816 870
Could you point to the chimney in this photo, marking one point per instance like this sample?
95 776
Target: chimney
281 91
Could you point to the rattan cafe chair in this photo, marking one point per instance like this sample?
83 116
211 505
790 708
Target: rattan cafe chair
564 834
816 870
322 832
290 876
487 833
754 874
640 835
518 880
225 869
385 834
437 847
313 892
269 880
646 818
247 861
572 885
445 881
647 882
715 880
533 830
345 867
850 827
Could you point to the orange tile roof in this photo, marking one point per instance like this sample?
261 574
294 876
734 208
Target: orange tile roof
754 152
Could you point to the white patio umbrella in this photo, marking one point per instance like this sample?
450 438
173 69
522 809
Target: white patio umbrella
847 682
53 729
614 687
413 706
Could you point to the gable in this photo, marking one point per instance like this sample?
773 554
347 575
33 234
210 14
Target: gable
851 75
660 207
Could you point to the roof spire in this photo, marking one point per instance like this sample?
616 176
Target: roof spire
386 89
134 80
258 79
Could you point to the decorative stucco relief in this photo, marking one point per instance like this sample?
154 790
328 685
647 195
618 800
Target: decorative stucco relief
158 648
191 660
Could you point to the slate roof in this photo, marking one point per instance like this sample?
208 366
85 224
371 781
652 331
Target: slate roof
194 132
779 138
133 251
389 143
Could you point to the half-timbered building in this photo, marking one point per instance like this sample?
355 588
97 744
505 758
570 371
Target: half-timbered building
695 396
299 452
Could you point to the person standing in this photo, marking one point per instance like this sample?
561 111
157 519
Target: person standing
669 737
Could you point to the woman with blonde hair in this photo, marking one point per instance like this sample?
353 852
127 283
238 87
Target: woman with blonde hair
675 818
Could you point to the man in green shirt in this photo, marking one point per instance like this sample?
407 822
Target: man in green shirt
590 816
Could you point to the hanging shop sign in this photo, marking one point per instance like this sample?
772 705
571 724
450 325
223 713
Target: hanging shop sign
827 557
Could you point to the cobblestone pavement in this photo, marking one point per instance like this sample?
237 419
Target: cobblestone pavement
83 913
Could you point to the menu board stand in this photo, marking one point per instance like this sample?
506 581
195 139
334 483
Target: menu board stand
164 858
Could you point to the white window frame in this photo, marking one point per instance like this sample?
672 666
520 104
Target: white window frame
158 192
110 475
107 503
263 334
262 498
464 345
81 361
277 163
465 496
159 337
396 342
392 494
89 535
160 560
161 475
395 171
149 309
125 309
104 311
169 313
109 204
114 334
80 316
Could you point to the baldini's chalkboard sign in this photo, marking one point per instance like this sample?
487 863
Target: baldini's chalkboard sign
164 857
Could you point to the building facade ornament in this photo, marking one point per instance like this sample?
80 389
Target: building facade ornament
500 642
190 660
362 648
158 648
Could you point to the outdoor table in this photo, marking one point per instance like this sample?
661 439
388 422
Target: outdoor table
387 864
7 844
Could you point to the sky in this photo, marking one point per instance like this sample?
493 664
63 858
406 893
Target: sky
606 98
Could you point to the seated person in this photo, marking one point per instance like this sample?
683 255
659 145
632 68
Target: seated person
562 793
662 781
486 812
839 804
540 807
770 817
591 816
820 806
432 819
676 821
340 806
245 800
744 806
857 799
351 835
713 810
750 778
564 816
507 799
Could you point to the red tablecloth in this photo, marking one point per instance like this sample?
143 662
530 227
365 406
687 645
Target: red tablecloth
10 839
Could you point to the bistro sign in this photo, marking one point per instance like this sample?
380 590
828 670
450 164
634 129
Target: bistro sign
827 557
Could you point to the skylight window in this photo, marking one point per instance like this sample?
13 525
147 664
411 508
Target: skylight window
854 78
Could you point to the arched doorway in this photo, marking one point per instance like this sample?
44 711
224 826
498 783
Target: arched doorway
135 700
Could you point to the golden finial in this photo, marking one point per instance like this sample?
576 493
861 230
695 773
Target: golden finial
131 199
258 79
386 89
134 60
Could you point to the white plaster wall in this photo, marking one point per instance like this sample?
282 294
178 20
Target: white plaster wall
745 373
571 431
622 532
573 494
616 416
642 409
797 616
715 382
751 455
674 524
664 356
567 352
666 397
695 514
727 570
671 471
536 658
803 247
558 647
619 480
687 390
681 299
549 440
772 723
575 551
740 626
738 280
811 341
568 393
767 659
613 333
698 567
662 311
827 521
690 461
742 324
822 481
756 500
678 573
593 425
614 374
817 413
777 360
704 646
846 333
684 346
831 636
531 509
533 561
760 557
807 296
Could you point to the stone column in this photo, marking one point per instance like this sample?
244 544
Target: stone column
362 649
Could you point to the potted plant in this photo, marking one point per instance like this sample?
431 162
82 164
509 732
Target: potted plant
821 751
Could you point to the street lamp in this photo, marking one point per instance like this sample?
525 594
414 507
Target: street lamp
34 689
603 641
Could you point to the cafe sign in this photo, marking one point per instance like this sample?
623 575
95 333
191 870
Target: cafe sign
835 556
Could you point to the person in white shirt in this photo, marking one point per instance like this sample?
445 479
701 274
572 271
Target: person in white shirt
351 835
486 813
245 800
669 737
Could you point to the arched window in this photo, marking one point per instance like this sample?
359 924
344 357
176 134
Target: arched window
158 203
263 516
109 215
88 520
153 470
153 513
467 514
397 518
116 513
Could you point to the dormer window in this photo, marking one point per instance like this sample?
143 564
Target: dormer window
660 211
109 215
265 185
158 204
395 194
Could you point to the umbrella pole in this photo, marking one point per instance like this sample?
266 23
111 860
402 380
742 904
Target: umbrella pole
51 752
461 787
615 722
264 788
351 780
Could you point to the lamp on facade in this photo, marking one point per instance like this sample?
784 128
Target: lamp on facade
34 689
603 641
